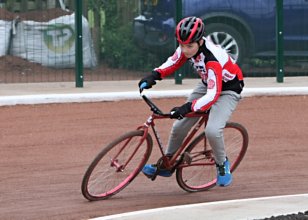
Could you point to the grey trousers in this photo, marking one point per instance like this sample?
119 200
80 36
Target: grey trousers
220 113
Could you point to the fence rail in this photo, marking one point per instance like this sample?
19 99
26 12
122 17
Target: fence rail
37 40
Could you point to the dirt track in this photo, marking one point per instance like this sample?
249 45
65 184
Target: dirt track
45 150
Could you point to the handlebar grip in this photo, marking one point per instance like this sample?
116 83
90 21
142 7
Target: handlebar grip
143 85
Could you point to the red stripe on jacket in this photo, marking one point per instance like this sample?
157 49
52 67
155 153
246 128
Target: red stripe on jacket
214 87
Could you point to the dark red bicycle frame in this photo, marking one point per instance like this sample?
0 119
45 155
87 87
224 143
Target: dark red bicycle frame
169 162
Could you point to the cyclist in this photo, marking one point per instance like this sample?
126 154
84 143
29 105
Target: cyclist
219 90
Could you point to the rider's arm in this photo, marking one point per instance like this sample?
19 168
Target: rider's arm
214 86
172 64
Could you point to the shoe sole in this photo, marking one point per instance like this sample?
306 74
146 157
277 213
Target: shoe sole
151 175
223 185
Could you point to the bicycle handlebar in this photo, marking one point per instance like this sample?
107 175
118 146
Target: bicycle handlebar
157 111
153 107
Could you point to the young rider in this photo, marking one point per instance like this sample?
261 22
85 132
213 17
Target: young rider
219 90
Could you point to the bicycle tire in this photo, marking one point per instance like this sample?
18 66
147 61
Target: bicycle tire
107 175
200 174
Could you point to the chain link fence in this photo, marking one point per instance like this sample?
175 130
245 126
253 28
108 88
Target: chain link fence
123 39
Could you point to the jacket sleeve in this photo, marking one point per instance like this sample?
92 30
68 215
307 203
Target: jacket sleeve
172 64
214 86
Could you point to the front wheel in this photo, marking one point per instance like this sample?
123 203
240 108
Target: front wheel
198 171
116 165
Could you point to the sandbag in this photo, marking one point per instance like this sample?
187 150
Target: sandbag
52 43
5 32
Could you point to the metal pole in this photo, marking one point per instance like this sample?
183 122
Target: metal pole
178 75
279 41
78 45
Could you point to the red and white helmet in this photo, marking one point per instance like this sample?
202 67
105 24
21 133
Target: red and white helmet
189 30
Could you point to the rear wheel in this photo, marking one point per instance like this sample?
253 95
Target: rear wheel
198 171
116 165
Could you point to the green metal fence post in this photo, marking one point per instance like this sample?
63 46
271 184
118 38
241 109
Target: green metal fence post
78 45
178 75
279 41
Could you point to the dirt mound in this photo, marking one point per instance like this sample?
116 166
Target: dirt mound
18 65
44 15
6 15
39 16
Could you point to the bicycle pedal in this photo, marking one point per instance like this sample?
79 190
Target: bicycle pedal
153 177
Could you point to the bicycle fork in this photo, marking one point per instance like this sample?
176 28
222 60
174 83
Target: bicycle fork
115 162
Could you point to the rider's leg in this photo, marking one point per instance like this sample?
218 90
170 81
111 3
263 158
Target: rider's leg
181 128
220 113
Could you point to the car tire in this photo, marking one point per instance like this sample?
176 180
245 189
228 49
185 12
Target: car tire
230 37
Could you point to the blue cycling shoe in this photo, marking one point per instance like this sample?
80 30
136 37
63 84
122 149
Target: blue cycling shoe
224 176
150 169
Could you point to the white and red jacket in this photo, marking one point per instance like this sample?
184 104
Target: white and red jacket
216 68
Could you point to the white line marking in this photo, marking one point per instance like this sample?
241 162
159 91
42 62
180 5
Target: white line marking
234 209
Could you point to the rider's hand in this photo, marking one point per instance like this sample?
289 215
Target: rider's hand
180 112
148 81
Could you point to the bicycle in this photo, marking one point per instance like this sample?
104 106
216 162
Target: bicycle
117 165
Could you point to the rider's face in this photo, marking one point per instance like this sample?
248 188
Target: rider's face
189 50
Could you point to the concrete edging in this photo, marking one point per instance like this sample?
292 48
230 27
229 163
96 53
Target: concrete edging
113 96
